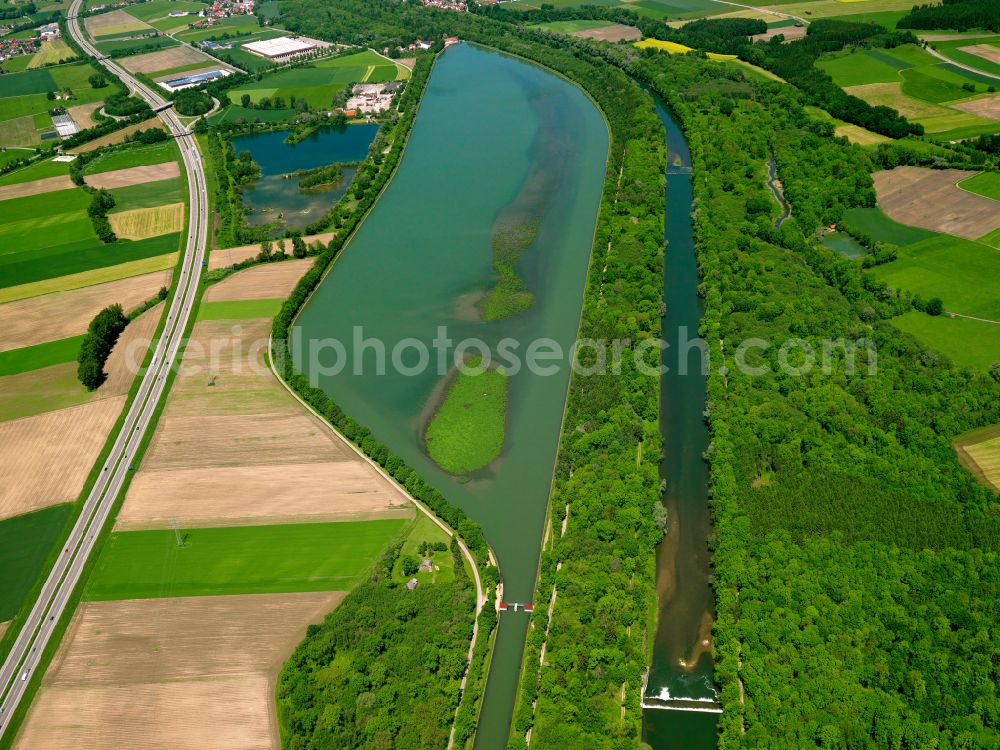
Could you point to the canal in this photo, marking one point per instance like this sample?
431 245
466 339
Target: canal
491 130
680 695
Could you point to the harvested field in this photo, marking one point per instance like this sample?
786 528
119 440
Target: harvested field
231 256
56 387
130 350
140 223
3 627
83 114
164 59
64 314
192 673
50 52
233 448
345 490
789 32
117 137
47 457
928 198
857 134
114 22
950 37
267 439
230 354
986 107
89 278
134 175
35 187
985 51
614 33
891 95
979 452
266 281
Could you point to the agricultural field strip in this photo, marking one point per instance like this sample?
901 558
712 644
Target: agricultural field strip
55 592
208 663
930 199
62 314
134 175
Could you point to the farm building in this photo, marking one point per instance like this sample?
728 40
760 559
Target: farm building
184 82
65 125
280 49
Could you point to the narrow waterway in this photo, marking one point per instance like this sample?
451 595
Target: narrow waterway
488 126
680 693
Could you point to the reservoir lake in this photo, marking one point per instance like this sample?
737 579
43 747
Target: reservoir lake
489 128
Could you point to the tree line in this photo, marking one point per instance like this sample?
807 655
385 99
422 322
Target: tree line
102 333
960 15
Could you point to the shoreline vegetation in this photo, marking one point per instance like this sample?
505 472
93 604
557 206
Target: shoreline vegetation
466 429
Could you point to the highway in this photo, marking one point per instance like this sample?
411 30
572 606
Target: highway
19 668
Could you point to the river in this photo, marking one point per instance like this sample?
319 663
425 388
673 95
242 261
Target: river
680 693
423 258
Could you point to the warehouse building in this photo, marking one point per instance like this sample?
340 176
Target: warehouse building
280 49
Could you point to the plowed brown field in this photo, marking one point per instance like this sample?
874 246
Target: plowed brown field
176 674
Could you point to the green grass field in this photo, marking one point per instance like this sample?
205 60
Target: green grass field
952 50
239 560
984 183
25 543
28 82
233 25
878 226
16 64
134 156
8 155
235 113
238 309
925 86
53 244
30 358
966 342
887 18
857 69
318 84
158 193
160 8
992 239
937 84
963 273
425 530
115 45
36 171
467 431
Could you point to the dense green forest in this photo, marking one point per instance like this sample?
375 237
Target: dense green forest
855 559
383 669
961 15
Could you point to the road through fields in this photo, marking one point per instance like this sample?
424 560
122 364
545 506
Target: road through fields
18 670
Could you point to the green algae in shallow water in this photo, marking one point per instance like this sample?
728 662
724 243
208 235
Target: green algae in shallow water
467 430
516 225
